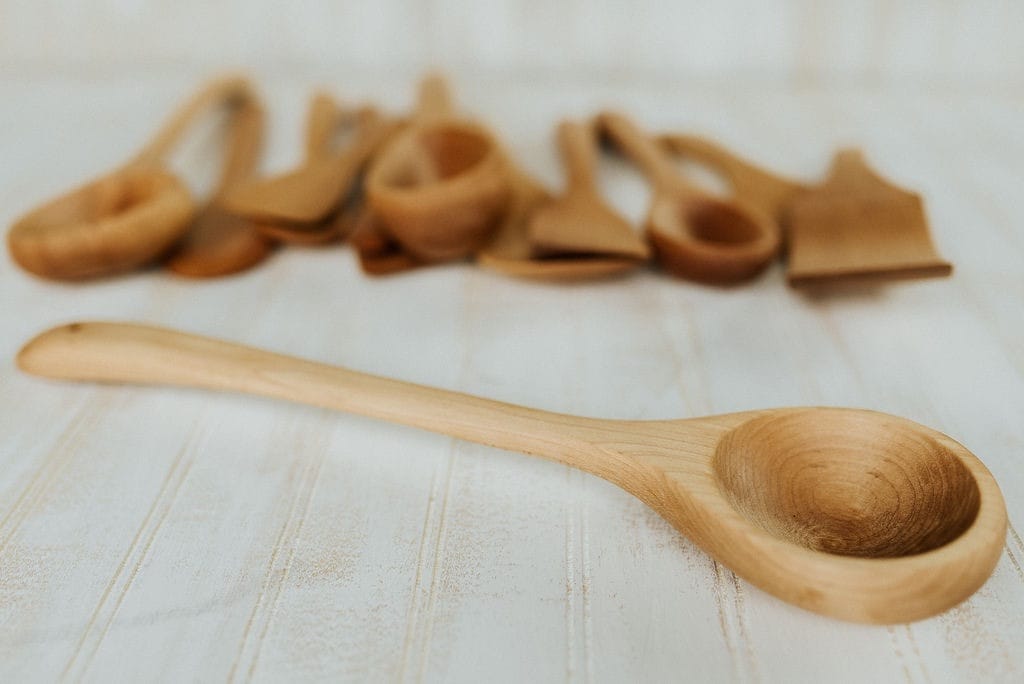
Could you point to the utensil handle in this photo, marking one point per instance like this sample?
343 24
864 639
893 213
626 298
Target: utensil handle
579 153
131 353
434 99
244 144
642 149
223 90
322 120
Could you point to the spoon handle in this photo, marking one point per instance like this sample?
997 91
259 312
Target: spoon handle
244 145
322 120
579 153
138 354
434 99
642 149
230 89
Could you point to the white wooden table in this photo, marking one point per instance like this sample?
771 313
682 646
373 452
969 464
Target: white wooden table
161 534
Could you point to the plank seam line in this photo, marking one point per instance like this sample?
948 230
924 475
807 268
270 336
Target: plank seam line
438 554
268 577
421 556
309 493
164 502
55 461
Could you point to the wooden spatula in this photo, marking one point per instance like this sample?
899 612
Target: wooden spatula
580 221
859 226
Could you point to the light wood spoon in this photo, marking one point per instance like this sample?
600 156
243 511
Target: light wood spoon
580 221
750 183
695 235
440 187
220 243
125 219
849 513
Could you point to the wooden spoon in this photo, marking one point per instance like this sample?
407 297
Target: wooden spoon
695 235
441 186
312 193
580 222
125 219
510 251
751 184
858 226
850 513
221 243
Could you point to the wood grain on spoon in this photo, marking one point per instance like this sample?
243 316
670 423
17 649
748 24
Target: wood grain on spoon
695 235
849 513
580 221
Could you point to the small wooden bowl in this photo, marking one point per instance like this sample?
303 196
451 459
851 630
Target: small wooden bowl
441 186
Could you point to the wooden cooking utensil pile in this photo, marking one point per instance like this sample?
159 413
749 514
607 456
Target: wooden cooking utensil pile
440 187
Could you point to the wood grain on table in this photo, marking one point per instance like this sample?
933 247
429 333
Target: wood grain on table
173 534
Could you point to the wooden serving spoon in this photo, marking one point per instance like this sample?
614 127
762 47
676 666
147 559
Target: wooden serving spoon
580 221
858 226
849 513
125 219
440 187
695 235
312 193
510 251
220 243
751 184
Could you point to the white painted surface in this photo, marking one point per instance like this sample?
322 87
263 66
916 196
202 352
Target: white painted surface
163 534
806 41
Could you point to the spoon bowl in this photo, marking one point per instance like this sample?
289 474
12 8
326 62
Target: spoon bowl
849 513
441 186
696 235
115 223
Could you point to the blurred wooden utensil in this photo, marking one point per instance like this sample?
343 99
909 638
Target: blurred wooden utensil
440 187
695 235
580 222
126 219
858 226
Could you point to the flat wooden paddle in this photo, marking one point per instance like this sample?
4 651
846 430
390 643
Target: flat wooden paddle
580 221
510 251
849 513
857 226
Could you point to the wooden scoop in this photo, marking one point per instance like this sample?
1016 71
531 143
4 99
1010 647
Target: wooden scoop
441 186
219 243
695 235
510 251
751 184
312 193
125 219
850 513
857 226
580 222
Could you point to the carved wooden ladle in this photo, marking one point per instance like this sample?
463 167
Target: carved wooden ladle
124 219
849 513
